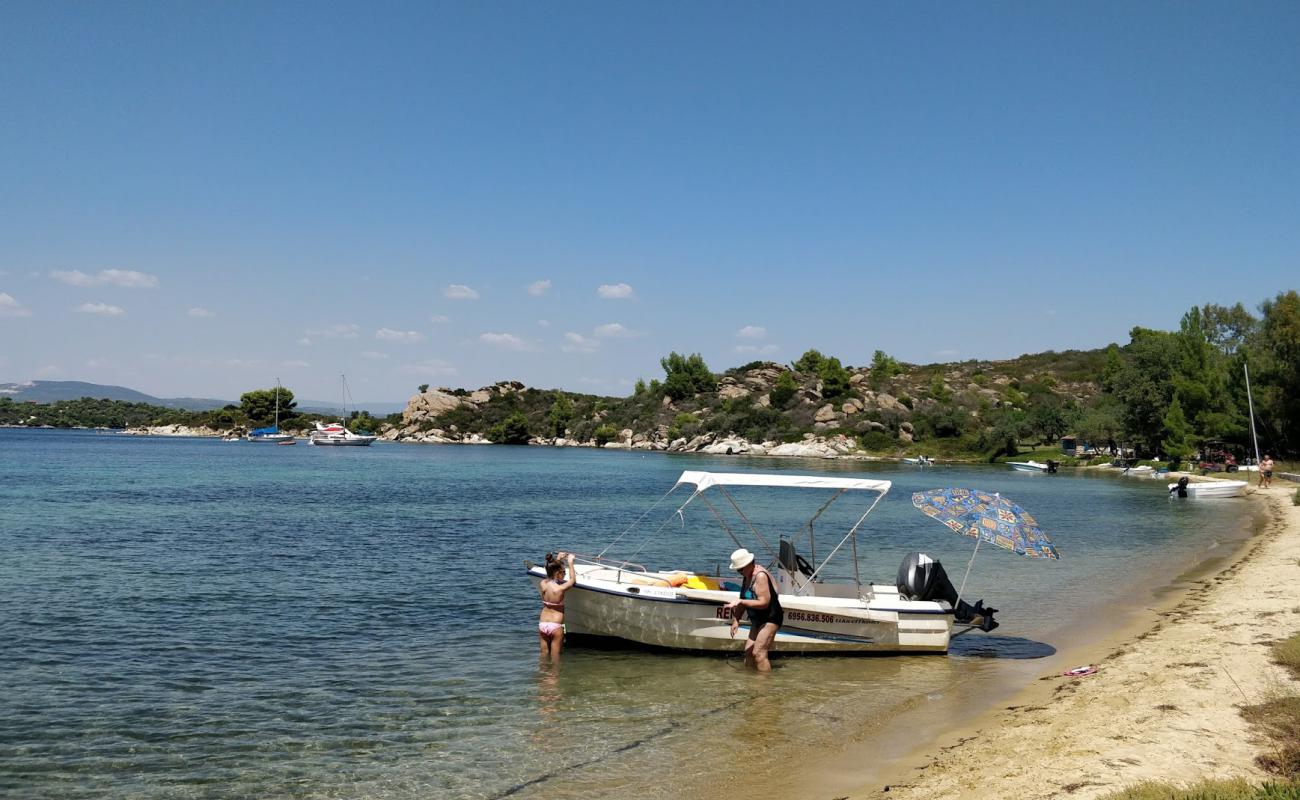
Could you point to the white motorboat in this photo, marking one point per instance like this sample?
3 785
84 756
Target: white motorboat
919 461
1027 466
682 610
1143 471
1205 489
336 434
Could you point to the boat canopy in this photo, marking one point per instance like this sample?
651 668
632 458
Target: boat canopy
265 431
703 480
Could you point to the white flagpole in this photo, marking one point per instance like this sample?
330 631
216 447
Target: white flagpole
1250 402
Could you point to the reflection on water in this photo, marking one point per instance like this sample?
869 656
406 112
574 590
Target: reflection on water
188 617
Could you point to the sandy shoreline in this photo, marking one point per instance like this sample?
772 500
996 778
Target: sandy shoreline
1164 704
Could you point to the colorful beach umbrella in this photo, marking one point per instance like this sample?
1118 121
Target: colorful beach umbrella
987 517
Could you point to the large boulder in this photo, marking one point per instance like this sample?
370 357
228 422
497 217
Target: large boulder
826 413
427 405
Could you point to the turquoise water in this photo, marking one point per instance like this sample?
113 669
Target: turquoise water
194 618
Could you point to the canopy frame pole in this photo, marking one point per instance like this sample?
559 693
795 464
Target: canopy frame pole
852 534
719 518
812 539
727 495
601 554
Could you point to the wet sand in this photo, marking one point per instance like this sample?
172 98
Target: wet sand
1163 705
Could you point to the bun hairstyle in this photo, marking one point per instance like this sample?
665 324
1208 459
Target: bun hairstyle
553 565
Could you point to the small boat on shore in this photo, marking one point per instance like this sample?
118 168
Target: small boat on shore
1143 471
919 461
683 610
1028 466
1207 489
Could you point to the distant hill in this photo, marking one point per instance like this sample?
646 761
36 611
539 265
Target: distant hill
54 391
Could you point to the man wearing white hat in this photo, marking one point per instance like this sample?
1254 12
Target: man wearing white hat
759 599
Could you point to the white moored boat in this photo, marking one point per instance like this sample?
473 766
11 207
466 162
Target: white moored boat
1027 466
1209 488
682 610
337 435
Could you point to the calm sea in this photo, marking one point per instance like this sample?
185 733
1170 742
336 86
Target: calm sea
195 618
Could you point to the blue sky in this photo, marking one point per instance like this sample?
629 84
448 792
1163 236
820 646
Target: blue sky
198 198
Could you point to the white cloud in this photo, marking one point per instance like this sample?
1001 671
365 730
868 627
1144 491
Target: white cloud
543 323
199 312
100 308
757 350
295 364
615 291
127 278
9 307
615 330
305 341
751 332
577 343
505 341
539 288
374 355
343 330
96 363
403 337
433 367
459 291
49 371
440 319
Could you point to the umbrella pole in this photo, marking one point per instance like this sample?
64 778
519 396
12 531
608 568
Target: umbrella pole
969 564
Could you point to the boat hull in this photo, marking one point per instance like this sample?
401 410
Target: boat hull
683 619
1025 466
1214 489
361 441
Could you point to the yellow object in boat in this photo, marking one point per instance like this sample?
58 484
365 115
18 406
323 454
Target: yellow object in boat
702 582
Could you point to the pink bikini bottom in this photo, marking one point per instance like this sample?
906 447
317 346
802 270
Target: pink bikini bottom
548 629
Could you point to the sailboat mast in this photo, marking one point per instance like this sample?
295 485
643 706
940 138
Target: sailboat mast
277 405
1250 402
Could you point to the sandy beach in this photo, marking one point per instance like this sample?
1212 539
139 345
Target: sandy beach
1163 704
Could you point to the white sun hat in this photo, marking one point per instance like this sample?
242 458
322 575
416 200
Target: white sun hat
741 558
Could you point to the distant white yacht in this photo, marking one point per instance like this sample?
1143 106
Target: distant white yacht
336 434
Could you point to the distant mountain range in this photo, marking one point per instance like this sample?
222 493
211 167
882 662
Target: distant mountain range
53 391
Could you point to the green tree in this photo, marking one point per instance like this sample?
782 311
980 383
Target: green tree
561 414
835 379
1144 383
1178 442
424 387
686 376
883 367
605 434
810 363
511 430
259 404
1277 353
939 390
784 390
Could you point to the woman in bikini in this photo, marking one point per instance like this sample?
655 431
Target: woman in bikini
560 577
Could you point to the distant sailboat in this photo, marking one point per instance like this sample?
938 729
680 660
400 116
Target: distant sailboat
272 434
336 434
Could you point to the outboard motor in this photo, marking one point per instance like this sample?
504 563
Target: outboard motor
1052 465
922 578
1180 487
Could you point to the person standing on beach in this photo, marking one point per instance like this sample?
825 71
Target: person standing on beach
1266 472
559 579
758 598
